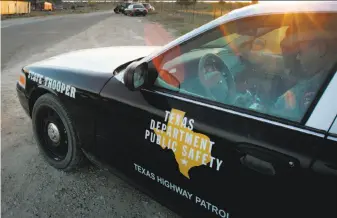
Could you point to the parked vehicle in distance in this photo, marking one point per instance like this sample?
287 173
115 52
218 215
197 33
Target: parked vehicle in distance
136 9
120 8
148 6
235 119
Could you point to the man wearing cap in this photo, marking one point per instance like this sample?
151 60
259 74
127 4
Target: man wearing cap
316 56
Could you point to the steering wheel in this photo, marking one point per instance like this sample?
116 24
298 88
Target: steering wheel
216 78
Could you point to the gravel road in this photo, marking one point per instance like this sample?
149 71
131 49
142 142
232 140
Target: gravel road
29 186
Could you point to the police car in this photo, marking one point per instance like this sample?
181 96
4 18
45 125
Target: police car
237 118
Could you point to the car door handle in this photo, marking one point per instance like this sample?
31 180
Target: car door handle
324 168
264 160
257 164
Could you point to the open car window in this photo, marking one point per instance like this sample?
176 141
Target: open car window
260 64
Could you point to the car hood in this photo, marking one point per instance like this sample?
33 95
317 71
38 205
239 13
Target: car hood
100 60
89 69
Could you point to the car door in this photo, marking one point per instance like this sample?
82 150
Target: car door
203 156
324 166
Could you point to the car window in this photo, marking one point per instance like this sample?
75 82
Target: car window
263 64
138 6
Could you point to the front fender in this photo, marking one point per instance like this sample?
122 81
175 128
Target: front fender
77 93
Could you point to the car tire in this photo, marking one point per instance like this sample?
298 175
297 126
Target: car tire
50 119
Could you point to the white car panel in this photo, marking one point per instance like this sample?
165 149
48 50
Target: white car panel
326 109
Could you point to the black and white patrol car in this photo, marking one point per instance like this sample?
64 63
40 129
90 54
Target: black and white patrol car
237 118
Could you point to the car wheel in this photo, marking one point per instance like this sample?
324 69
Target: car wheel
55 134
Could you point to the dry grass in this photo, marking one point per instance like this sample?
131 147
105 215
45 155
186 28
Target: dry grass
183 19
180 22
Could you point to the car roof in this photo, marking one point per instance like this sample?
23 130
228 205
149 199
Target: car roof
286 7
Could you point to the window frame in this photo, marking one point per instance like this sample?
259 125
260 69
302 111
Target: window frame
237 110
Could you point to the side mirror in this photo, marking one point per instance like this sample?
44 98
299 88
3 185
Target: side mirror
136 75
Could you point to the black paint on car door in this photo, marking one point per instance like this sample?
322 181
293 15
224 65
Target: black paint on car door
258 167
233 163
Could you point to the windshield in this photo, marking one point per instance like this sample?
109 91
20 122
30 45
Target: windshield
237 39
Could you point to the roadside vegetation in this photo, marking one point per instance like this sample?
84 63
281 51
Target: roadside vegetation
184 16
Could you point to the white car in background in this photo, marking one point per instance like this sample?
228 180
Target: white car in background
149 7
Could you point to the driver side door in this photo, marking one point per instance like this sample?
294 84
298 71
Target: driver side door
233 159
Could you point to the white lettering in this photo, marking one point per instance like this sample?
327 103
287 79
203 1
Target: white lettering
185 194
211 146
211 163
218 164
174 143
203 144
181 135
178 117
152 124
189 196
191 154
67 90
184 122
147 133
197 199
188 138
168 132
54 85
50 81
163 127
196 139
222 213
158 139
175 133
158 125
197 156
72 92
191 121
46 81
153 137
40 79
184 151
171 118
58 86
204 158
167 113
63 87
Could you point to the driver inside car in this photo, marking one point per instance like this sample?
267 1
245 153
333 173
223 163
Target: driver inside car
316 54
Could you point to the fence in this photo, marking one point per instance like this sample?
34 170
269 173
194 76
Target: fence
15 7
199 8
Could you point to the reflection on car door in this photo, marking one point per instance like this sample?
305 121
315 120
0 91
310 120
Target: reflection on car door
208 161
253 164
205 160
